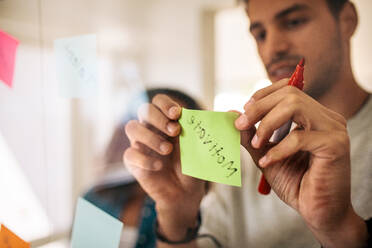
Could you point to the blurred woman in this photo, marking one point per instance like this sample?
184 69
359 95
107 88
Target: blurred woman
118 193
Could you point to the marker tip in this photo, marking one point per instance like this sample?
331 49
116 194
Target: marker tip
302 62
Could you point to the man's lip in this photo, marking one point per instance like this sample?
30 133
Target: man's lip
280 72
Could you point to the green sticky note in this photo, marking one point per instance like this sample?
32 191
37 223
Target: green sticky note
94 228
210 146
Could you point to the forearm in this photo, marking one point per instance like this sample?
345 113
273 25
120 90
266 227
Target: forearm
351 233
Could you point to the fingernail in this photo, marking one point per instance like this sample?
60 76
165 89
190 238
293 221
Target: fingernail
263 161
250 102
174 111
242 121
165 147
254 141
172 127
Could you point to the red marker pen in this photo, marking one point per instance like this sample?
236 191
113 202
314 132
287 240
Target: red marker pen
297 80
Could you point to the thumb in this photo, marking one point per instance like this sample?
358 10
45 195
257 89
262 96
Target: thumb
245 140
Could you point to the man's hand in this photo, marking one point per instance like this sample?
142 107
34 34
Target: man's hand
154 159
310 168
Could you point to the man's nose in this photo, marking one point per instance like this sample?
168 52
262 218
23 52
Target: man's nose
277 45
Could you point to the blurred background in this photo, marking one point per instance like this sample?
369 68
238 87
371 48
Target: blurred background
51 146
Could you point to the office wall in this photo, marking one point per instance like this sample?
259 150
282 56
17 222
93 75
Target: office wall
57 141
361 45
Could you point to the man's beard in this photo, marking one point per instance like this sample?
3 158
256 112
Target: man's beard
324 81
327 73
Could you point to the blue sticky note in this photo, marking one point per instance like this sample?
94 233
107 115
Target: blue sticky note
77 66
94 228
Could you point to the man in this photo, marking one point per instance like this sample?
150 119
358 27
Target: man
317 200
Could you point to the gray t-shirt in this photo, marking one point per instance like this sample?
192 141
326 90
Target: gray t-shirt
242 218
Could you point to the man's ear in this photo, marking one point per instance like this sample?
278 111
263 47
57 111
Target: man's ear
348 18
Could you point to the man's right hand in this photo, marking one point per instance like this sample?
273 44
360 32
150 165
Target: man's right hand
154 160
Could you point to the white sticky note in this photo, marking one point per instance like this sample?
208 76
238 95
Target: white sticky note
77 66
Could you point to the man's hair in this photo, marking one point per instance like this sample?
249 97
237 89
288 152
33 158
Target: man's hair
335 6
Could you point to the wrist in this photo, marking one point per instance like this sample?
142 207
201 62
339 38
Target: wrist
191 234
174 224
351 233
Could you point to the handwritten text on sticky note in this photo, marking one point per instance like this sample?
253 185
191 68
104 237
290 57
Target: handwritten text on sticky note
8 48
94 228
210 146
77 66
9 240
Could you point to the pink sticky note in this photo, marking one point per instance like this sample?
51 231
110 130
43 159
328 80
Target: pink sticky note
8 48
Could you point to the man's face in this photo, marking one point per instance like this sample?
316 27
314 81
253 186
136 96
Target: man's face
287 30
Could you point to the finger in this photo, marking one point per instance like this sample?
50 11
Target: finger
134 158
277 153
152 115
246 137
305 110
235 111
275 119
258 95
256 110
241 121
138 133
167 106
245 140
320 144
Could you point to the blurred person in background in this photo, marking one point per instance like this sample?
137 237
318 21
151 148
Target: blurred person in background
117 192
